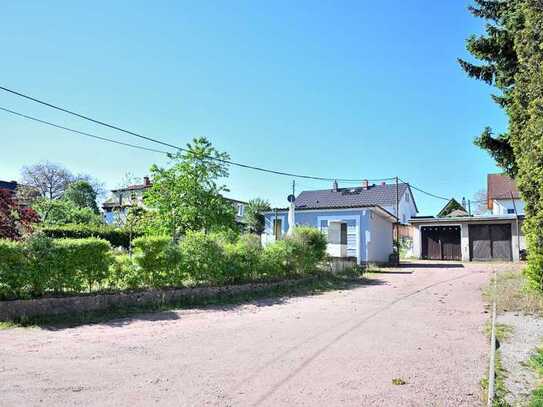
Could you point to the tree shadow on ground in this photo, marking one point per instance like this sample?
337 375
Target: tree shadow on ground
120 317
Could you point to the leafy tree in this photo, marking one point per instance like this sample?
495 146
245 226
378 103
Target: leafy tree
187 195
512 54
15 220
253 215
82 195
496 50
63 212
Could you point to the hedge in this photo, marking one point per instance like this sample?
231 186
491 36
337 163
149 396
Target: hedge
117 237
42 265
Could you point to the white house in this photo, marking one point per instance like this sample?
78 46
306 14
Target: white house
122 199
358 221
503 196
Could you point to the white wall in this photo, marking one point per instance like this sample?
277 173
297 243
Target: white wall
500 206
380 241
407 208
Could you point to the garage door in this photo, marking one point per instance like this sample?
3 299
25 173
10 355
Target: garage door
490 242
441 243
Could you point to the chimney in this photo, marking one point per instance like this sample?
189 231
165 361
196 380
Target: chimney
365 184
383 183
146 181
334 186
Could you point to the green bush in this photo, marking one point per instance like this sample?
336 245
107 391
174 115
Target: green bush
117 237
158 261
12 269
309 249
276 260
203 259
242 259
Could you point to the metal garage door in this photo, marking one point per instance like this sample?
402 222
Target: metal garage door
490 242
441 243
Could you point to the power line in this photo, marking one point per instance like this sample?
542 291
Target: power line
425 192
82 132
234 163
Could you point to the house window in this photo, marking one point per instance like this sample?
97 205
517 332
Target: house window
406 197
510 211
404 221
241 209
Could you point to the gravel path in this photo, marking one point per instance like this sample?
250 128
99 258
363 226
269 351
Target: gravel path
423 325
515 351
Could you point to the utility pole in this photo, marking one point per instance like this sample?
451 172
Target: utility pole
294 187
397 214
518 223
469 207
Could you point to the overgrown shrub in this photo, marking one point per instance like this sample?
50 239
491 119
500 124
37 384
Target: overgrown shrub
276 260
309 249
158 261
12 269
242 259
117 237
203 259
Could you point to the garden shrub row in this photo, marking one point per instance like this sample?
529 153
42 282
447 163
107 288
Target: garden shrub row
117 237
42 265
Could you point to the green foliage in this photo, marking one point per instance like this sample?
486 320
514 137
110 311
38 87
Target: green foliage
187 196
63 211
117 237
157 260
309 248
254 219
243 259
82 195
512 54
277 260
12 269
41 264
203 258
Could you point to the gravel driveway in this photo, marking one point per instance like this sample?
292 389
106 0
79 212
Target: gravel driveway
422 324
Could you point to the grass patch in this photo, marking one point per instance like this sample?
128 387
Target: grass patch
514 294
7 325
536 363
503 331
500 391
313 286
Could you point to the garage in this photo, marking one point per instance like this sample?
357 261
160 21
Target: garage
441 243
490 242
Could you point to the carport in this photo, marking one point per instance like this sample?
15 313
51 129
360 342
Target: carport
468 238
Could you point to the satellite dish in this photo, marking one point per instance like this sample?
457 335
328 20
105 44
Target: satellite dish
291 198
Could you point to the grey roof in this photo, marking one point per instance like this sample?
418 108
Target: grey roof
382 195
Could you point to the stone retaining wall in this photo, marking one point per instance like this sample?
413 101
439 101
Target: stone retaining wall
17 309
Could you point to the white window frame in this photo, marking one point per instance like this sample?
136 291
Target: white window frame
341 218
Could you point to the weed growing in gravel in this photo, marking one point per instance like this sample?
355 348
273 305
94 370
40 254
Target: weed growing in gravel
398 381
536 363
503 331
514 294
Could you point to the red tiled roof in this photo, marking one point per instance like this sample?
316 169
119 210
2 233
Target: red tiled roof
500 186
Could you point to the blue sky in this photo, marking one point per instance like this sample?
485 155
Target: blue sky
348 89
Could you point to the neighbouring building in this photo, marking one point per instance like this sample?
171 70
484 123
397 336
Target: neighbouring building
455 235
358 221
9 185
122 199
503 196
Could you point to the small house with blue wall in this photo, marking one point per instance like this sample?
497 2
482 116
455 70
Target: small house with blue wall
357 221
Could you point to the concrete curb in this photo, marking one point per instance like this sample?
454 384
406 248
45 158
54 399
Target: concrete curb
20 309
492 362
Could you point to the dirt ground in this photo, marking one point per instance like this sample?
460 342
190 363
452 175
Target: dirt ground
422 324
